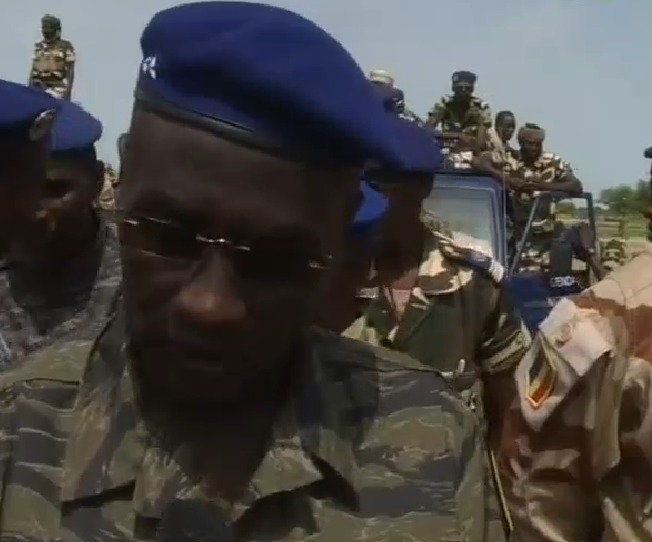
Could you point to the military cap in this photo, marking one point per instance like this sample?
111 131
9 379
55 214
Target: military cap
74 129
25 112
51 19
371 210
248 72
647 153
464 77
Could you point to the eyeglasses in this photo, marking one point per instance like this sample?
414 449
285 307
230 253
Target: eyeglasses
263 258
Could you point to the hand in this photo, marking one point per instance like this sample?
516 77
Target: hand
517 184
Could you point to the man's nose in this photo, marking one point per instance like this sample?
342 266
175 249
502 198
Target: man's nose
210 298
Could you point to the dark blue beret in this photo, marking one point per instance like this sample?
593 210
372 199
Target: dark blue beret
22 108
268 78
371 210
74 129
464 77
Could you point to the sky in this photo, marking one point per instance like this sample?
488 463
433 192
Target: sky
582 69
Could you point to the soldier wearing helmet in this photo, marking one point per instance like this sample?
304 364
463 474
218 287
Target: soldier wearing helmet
53 63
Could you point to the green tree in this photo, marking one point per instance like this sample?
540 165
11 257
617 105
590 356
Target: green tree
621 200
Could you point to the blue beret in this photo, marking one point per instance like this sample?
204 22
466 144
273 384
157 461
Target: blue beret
22 108
464 77
371 210
74 129
268 78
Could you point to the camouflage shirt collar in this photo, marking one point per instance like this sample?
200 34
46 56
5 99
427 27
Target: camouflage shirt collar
108 441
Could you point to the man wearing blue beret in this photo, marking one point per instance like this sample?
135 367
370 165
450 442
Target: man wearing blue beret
461 111
347 295
62 264
26 118
211 390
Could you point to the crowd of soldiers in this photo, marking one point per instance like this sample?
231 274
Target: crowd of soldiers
210 373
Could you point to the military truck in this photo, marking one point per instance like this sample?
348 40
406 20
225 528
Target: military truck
475 207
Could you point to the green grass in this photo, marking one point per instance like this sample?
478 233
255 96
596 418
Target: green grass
635 228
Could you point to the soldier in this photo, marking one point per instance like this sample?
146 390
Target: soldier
499 136
461 110
381 79
577 445
211 384
106 197
26 118
53 64
61 263
348 293
525 173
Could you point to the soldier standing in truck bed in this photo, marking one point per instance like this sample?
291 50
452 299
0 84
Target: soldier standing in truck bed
53 64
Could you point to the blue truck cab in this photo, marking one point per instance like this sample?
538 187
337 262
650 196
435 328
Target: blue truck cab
475 206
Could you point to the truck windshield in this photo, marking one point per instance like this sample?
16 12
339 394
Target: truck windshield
469 213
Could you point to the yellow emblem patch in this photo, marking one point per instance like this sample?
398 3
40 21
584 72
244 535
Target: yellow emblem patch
542 378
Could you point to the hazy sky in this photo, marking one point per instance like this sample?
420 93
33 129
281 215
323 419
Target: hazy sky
580 68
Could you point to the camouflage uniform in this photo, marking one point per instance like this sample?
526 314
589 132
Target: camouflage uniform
445 112
548 168
457 319
370 446
613 254
578 447
37 305
51 64
106 199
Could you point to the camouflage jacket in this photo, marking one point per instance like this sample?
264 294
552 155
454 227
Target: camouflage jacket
39 305
371 445
549 168
578 445
458 320
51 63
446 113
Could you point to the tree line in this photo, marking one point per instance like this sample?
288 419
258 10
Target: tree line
619 202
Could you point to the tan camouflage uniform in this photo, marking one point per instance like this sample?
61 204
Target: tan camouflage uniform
578 448
38 306
548 168
370 446
613 254
445 113
106 199
51 65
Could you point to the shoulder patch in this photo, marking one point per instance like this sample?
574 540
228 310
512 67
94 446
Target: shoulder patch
479 102
472 257
448 98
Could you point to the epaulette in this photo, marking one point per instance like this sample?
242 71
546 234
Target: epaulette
472 257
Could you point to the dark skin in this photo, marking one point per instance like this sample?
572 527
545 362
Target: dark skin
54 220
402 233
23 164
505 128
341 305
216 334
